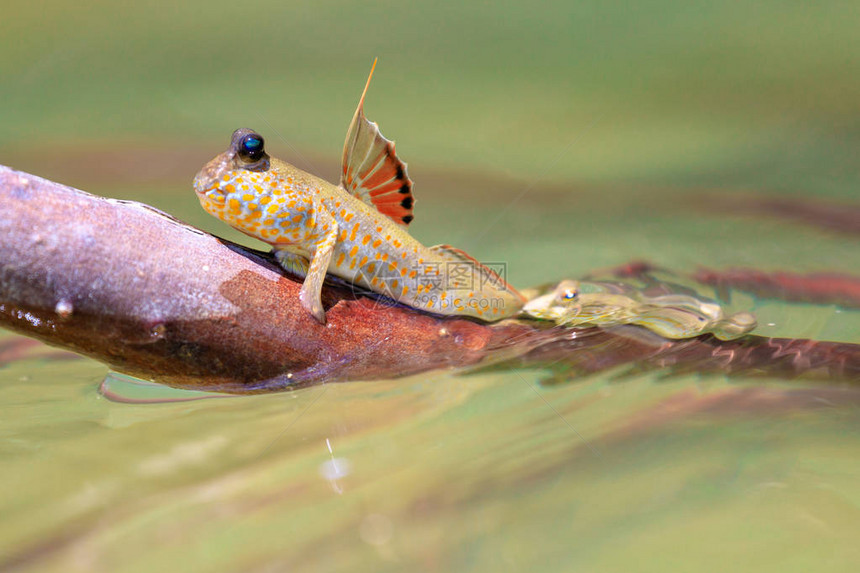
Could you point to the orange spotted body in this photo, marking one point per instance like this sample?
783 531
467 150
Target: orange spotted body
356 231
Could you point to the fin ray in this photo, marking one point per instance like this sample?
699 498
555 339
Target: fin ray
372 171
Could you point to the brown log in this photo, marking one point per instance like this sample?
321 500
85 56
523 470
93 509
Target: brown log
156 298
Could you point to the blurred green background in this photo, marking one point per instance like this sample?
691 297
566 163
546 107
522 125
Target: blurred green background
759 93
557 137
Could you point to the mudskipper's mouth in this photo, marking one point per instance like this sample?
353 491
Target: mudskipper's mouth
211 193
208 189
208 181
204 185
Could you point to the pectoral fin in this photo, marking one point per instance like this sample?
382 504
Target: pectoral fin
311 290
292 263
312 271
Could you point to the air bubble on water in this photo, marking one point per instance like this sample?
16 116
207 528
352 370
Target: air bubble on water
334 469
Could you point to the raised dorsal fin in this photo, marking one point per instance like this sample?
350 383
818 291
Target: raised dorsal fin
483 273
372 171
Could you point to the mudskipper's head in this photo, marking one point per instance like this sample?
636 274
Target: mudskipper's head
232 175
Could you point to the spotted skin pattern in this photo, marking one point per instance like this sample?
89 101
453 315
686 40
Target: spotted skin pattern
316 227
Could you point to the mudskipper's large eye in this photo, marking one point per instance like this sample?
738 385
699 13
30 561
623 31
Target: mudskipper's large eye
250 148
569 294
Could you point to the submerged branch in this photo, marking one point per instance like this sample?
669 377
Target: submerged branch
155 298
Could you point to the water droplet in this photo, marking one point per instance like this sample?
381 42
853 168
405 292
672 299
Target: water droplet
64 308
157 331
29 317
